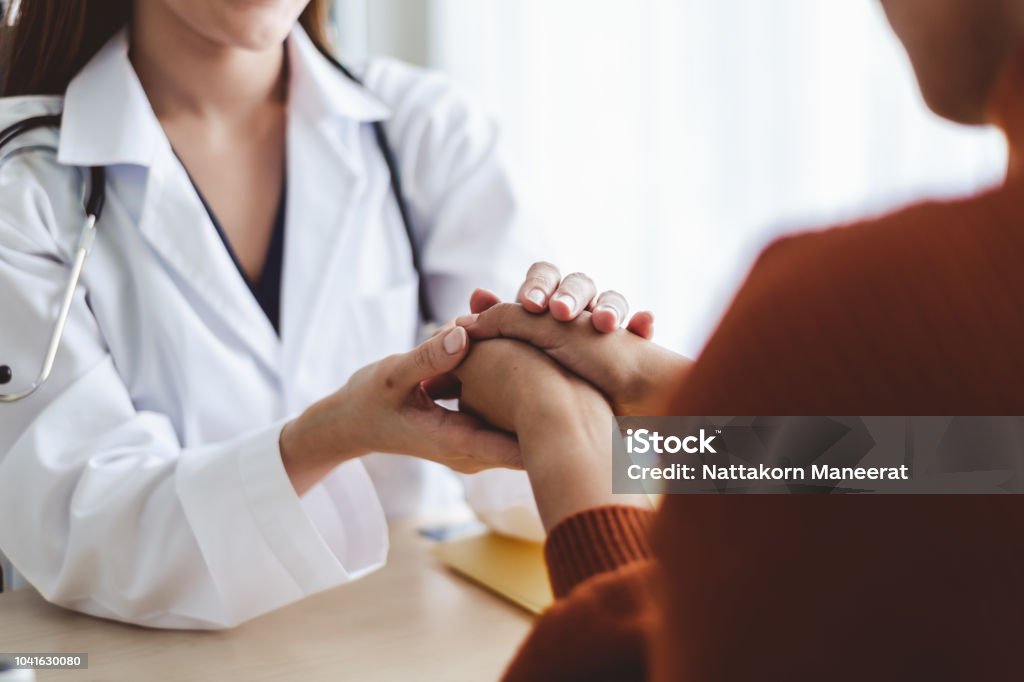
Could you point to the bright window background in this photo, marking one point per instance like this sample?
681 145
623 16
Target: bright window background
662 143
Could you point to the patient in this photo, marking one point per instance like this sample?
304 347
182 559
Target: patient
920 312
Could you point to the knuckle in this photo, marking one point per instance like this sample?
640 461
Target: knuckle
504 316
543 273
546 283
423 357
543 265
612 293
579 279
506 310
497 313
614 299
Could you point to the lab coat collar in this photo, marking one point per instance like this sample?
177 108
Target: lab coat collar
108 119
321 90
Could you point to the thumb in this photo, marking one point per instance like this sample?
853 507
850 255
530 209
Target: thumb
482 299
437 355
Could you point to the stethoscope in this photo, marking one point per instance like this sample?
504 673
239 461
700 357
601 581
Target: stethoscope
93 205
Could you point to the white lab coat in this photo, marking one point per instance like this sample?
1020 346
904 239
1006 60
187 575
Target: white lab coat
143 482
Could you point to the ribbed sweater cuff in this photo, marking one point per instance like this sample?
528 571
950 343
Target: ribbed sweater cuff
596 541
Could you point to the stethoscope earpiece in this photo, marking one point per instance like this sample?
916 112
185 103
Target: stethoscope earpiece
5 375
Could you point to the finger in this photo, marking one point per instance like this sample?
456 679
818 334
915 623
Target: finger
491 323
610 311
469 320
482 299
435 356
573 296
510 320
642 324
485 446
541 281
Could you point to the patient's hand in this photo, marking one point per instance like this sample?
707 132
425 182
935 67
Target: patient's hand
564 425
635 374
508 382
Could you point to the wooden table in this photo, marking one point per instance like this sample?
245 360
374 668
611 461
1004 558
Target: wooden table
412 620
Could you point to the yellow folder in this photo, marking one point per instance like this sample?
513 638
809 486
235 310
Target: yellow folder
511 568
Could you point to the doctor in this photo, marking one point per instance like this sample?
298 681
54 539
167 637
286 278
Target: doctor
196 458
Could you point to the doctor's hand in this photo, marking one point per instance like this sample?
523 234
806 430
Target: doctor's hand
387 407
563 424
567 299
636 375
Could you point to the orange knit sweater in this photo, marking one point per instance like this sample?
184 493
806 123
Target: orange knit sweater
916 313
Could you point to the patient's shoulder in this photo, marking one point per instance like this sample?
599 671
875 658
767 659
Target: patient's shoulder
921 303
914 255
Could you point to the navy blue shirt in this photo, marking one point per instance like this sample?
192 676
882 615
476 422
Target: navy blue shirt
267 290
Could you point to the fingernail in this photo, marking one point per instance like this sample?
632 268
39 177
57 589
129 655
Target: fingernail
466 320
608 309
566 300
455 341
536 296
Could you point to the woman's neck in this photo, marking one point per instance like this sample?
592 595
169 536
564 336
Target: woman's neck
186 73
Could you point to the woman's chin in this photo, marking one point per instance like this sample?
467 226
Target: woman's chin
258 41
254 34
251 25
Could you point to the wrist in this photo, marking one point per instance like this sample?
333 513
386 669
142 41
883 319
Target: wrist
651 386
317 441
560 410
567 438
566 446
569 462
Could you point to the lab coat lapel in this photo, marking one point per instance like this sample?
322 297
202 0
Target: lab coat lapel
325 187
178 228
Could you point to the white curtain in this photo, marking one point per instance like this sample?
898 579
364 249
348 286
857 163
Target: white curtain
663 142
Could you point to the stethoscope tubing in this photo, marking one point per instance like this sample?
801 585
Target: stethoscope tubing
93 203
85 241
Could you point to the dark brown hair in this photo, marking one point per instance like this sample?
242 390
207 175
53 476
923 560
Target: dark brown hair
46 42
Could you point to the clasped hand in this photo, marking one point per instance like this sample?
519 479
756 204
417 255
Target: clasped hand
538 382
573 352
555 381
